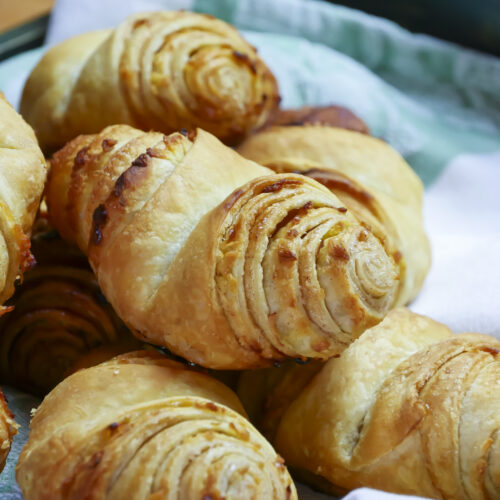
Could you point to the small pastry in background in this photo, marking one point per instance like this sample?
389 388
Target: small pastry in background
156 71
22 177
372 180
142 426
408 408
332 116
213 256
8 429
59 315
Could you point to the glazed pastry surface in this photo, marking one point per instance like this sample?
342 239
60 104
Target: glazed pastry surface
157 70
370 178
141 426
59 316
213 256
22 176
409 407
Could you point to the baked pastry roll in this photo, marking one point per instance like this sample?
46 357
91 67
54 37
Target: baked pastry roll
370 178
214 256
409 407
332 116
22 176
142 426
156 70
59 316
8 429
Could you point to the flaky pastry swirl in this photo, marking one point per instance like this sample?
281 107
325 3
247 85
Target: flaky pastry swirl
409 407
141 426
156 70
210 255
59 316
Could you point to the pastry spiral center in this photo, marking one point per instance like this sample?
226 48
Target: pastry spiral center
374 270
306 276
220 81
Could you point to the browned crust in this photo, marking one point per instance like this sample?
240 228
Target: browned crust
333 116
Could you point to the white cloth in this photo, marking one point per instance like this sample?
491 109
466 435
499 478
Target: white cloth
462 217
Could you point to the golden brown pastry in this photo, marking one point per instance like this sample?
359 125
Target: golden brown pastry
59 316
408 407
22 177
156 70
141 426
332 116
368 176
267 393
214 256
8 429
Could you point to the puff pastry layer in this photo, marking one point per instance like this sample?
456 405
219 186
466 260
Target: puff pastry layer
409 408
141 426
370 178
22 176
214 256
156 70
59 316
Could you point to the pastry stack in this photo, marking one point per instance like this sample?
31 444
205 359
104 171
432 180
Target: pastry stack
286 262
